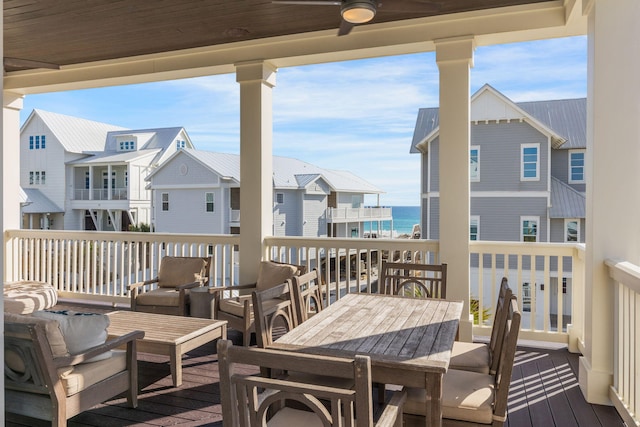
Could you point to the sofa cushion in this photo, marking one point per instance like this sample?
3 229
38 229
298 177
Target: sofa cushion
25 297
466 396
469 356
77 378
165 297
81 331
176 271
271 274
51 327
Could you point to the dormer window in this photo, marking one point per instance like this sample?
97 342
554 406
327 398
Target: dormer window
180 145
127 143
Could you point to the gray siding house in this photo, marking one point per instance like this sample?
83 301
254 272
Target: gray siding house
526 165
197 191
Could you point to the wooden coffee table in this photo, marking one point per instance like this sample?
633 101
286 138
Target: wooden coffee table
167 335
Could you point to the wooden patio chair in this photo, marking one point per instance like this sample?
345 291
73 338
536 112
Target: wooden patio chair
472 398
237 310
256 401
274 313
307 293
413 280
481 357
168 293
43 380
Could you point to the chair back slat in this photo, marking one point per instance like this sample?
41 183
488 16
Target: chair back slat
307 293
413 280
248 399
274 313
499 323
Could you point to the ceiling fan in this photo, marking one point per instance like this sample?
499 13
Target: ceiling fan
356 12
26 64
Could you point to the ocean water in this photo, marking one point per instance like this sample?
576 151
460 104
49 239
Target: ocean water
404 217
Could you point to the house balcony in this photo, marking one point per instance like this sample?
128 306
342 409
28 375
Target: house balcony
345 215
96 267
100 194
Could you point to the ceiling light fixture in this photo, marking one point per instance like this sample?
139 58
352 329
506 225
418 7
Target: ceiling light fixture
358 11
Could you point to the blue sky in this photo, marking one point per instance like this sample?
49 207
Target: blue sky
356 115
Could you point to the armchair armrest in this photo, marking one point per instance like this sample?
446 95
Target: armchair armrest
111 344
393 411
218 289
137 285
189 285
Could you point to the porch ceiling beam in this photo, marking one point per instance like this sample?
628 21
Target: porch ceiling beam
494 26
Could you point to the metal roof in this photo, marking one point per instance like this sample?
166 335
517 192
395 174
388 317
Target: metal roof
115 157
287 172
565 201
566 117
38 203
75 134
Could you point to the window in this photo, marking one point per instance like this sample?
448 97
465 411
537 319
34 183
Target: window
355 232
474 163
180 145
209 202
279 198
126 179
42 177
31 143
42 142
165 201
37 142
127 145
530 160
37 177
87 180
576 166
31 178
571 230
355 201
474 228
529 230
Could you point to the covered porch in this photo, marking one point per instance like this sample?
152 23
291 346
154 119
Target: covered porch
609 274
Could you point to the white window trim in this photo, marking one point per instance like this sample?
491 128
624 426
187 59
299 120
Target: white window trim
566 223
477 178
162 202
206 202
577 181
530 218
475 218
522 148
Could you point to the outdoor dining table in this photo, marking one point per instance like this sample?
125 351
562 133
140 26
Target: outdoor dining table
408 340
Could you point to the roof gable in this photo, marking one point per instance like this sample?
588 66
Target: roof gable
76 135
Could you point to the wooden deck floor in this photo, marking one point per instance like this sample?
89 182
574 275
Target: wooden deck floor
544 392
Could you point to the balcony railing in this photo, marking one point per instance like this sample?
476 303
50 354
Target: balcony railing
358 214
625 392
547 278
100 194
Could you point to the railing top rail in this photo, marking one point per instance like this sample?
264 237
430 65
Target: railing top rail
355 243
624 272
526 248
123 236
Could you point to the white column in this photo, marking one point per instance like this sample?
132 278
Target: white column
455 58
256 80
613 194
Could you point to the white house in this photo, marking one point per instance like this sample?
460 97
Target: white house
199 192
79 174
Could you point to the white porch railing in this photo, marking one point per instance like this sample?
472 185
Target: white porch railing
358 214
625 391
100 194
100 265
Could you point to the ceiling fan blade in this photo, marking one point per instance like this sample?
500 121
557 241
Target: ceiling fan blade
28 63
309 2
426 6
345 28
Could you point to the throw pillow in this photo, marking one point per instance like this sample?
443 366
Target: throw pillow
272 274
81 331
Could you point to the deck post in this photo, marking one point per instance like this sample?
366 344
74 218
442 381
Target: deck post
613 194
256 79
454 57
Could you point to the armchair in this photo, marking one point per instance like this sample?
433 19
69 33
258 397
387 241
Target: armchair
171 292
43 380
238 310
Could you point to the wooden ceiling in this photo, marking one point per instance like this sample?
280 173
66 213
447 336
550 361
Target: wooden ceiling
68 32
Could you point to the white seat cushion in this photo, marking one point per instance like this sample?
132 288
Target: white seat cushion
77 378
165 297
289 417
469 356
466 396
